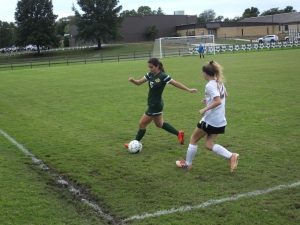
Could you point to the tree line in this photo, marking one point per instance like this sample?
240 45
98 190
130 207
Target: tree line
97 20
211 16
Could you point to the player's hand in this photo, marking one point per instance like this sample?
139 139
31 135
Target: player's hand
130 79
202 111
204 101
193 90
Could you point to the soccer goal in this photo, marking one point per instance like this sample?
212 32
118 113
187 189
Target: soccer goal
172 46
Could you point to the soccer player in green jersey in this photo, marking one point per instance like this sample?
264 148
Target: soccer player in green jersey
157 80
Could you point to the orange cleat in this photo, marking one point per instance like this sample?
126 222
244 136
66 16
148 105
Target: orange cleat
181 137
126 145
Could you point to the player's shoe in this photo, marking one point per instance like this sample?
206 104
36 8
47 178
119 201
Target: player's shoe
126 145
182 164
181 137
234 161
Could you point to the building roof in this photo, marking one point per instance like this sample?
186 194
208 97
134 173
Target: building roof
215 25
277 18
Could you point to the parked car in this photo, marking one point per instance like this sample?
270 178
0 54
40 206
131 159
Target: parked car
293 37
268 39
31 48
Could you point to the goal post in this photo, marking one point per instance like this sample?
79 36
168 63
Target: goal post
172 46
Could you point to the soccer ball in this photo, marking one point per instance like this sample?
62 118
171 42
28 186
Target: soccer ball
135 147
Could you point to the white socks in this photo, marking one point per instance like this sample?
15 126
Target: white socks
190 155
220 150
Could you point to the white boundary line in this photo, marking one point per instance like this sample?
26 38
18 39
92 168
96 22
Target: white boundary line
60 180
213 202
77 192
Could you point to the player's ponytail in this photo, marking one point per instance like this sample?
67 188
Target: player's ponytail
155 62
214 69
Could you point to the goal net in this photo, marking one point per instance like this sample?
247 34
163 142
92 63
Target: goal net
172 46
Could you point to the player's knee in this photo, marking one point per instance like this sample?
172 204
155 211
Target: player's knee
209 146
142 125
159 125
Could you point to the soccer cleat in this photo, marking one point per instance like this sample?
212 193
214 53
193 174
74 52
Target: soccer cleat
234 161
182 164
126 145
181 137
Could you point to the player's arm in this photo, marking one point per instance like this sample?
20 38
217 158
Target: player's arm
217 101
137 82
182 86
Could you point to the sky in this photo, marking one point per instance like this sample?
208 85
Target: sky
226 8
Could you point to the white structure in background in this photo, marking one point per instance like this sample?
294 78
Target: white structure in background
168 46
179 12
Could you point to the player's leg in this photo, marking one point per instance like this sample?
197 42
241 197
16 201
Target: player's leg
192 149
144 122
220 150
159 122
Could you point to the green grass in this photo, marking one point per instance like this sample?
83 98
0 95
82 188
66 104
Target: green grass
113 50
27 199
76 119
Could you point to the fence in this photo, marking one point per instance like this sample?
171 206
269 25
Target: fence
48 62
11 65
247 47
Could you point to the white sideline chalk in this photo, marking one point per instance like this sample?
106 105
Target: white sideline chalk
59 180
97 208
213 202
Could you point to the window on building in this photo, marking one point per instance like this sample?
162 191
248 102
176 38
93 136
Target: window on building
279 28
242 32
286 27
267 30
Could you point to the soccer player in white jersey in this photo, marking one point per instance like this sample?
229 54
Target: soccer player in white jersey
213 121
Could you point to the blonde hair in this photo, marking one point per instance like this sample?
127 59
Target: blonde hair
214 69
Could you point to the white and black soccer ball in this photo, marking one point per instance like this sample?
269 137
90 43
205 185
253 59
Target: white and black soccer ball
135 147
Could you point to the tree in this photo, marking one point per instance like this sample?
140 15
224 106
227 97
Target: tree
159 11
99 20
207 16
7 34
274 11
151 33
235 19
35 23
251 12
289 9
271 11
144 11
60 26
219 19
127 13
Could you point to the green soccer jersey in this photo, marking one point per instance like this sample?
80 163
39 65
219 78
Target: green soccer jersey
157 85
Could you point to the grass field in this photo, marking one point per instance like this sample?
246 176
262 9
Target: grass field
77 118
110 50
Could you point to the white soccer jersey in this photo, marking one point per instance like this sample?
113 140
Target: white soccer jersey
215 117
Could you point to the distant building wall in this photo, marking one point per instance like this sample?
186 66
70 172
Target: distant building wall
134 28
230 30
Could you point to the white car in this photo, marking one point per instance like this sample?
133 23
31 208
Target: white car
31 48
268 39
293 37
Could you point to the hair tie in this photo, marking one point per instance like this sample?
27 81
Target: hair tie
211 62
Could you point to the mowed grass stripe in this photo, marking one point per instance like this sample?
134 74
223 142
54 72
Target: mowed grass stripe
26 198
77 118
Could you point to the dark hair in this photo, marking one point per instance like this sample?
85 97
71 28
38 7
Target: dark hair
209 69
213 69
155 62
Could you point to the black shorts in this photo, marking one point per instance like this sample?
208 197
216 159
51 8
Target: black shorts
210 129
155 110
